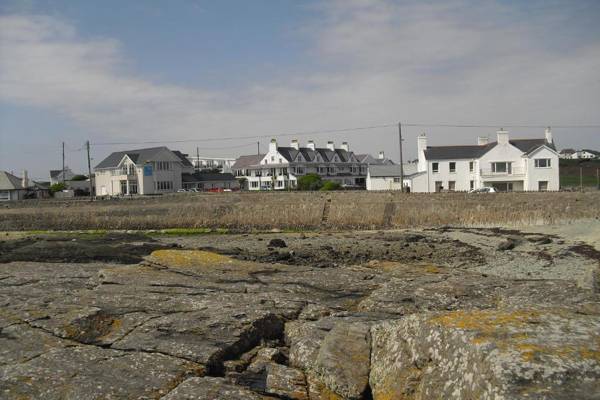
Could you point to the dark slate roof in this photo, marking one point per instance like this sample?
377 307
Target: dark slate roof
456 152
529 145
246 161
567 151
289 153
183 158
473 152
55 172
206 176
115 158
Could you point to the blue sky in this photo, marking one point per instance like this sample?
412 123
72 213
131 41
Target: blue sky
116 71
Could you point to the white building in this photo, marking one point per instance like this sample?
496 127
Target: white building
280 167
506 165
389 176
143 171
203 163
58 175
15 188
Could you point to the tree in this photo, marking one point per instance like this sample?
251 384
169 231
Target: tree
310 182
330 185
79 178
57 187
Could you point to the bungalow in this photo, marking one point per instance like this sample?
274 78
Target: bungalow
15 188
206 181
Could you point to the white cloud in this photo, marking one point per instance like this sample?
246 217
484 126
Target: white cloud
380 61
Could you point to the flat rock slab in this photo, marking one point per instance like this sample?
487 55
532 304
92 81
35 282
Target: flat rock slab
209 388
487 354
88 372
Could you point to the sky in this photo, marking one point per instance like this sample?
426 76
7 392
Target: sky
217 74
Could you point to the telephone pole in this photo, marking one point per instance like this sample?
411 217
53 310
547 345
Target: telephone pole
401 157
87 146
63 162
259 172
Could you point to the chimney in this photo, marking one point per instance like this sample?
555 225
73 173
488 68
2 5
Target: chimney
330 146
311 145
381 155
482 140
25 180
502 136
294 144
273 146
549 135
421 147
344 146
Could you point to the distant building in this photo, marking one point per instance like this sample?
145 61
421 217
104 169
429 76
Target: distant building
15 188
584 154
209 180
389 176
212 163
506 164
281 167
567 153
58 175
370 160
143 171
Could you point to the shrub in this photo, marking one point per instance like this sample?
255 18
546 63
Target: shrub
310 182
57 187
330 185
79 178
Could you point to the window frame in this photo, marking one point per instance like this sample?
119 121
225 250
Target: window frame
537 163
435 167
450 165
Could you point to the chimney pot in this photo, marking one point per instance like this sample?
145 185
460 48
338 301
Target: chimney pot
330 145
295 144
381 155
25 180
311 144
344 146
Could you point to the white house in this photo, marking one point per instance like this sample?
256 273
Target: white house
370 160
506 164
280 167
143 171
58 175
587 154
15 188
389 176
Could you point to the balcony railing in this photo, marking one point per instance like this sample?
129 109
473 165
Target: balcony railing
515 171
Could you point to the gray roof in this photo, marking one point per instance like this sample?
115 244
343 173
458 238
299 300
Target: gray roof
392 170
206 176
473 152
290 153
11 182
183 158
247 161
115 158
369 159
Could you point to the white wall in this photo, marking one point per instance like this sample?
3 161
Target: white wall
535 175
462 177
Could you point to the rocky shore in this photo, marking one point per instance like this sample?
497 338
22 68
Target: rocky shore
448 313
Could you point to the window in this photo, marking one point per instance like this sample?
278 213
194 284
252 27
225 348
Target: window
435 167
279 184
502 167
4 195
542 163
280 161
452 185
396 180
133 188
123 187
131 169
471 166
542 186
272 158
439 186
164 185
472 185
254 184
452 167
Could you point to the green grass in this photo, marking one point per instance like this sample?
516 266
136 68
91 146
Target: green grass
573 181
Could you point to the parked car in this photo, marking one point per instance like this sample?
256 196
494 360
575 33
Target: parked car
483 190
181 190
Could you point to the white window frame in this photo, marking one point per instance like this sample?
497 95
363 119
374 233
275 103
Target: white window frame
547 161
450 169
4 195
435 167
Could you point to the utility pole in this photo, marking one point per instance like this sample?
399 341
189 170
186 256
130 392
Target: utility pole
87 145
401 157
63 162
259 171
197 159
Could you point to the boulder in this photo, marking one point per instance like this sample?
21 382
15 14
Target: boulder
487 354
